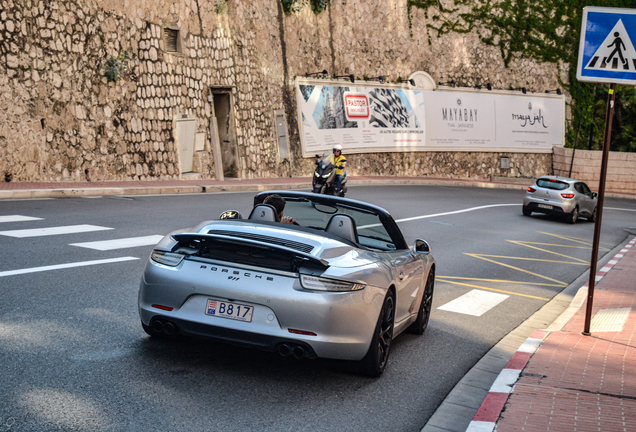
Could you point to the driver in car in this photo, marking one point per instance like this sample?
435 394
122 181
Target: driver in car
278 202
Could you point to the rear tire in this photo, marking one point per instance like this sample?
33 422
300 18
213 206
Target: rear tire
526 211
572 217
421 322
374 362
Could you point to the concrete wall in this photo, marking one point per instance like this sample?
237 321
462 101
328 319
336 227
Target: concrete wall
63 120
621 168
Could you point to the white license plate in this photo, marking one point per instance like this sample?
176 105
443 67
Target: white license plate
229 310
545 206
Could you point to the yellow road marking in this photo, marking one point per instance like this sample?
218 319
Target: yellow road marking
499 281
549 244
545 250
517 268
574 239
535 259
492 289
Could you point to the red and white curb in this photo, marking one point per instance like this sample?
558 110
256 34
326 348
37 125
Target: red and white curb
490 409
488 413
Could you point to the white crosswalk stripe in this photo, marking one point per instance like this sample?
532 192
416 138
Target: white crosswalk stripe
475 303
38 232
120 243
64 266
17 218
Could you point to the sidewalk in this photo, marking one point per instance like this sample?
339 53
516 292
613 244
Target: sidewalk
29 190
560 380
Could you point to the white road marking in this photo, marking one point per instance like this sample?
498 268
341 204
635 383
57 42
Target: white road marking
64 266
620 209
456 212
443 214
17 218
475 303
37 232
120 243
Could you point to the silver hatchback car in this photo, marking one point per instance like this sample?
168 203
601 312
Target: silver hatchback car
560 196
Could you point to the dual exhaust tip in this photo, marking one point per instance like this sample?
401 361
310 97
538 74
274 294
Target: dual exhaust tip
165 327
169 328
297 351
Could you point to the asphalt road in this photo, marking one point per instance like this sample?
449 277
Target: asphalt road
73 355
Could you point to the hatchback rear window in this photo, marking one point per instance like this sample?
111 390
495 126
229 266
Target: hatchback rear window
552 184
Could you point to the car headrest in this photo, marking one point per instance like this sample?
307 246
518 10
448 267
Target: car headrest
343 225
264 212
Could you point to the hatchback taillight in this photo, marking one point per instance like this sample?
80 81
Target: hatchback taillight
531 189
567 196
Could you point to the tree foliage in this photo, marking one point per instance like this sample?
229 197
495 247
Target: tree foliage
547 31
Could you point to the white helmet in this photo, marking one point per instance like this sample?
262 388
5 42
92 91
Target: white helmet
337 147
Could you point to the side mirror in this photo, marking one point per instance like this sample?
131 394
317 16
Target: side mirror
231 214
422 247
594 194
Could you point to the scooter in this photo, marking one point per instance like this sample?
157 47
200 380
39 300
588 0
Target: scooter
325 176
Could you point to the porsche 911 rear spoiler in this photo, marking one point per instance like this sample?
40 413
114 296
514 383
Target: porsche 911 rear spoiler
246 251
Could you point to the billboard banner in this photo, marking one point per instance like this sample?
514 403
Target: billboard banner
361 119
530 122
392 117
479 121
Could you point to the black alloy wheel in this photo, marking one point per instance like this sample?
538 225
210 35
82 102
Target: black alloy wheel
374 362
526 211
421 322
593 217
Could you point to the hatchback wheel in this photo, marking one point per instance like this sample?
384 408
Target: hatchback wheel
572 217
375 360
526 211
593 217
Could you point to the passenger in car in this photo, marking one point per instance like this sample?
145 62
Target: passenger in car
278 202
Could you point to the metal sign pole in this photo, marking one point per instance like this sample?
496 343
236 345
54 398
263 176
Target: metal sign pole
609 116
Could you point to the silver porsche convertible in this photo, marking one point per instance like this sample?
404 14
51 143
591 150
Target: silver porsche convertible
340 283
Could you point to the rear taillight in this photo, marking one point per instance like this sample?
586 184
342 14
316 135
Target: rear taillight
167 258
567 196
302 332
531 189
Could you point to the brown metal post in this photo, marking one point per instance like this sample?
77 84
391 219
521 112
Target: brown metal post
609 116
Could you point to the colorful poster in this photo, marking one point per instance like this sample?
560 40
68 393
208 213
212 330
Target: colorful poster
361 119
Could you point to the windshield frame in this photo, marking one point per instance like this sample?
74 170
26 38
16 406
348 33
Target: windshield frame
359 208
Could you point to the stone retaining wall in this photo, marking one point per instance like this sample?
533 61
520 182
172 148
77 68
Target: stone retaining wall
63 120
586 166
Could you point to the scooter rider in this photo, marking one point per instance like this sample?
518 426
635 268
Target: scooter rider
340 162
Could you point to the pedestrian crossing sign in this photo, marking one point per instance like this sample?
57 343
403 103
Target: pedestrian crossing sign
606 49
